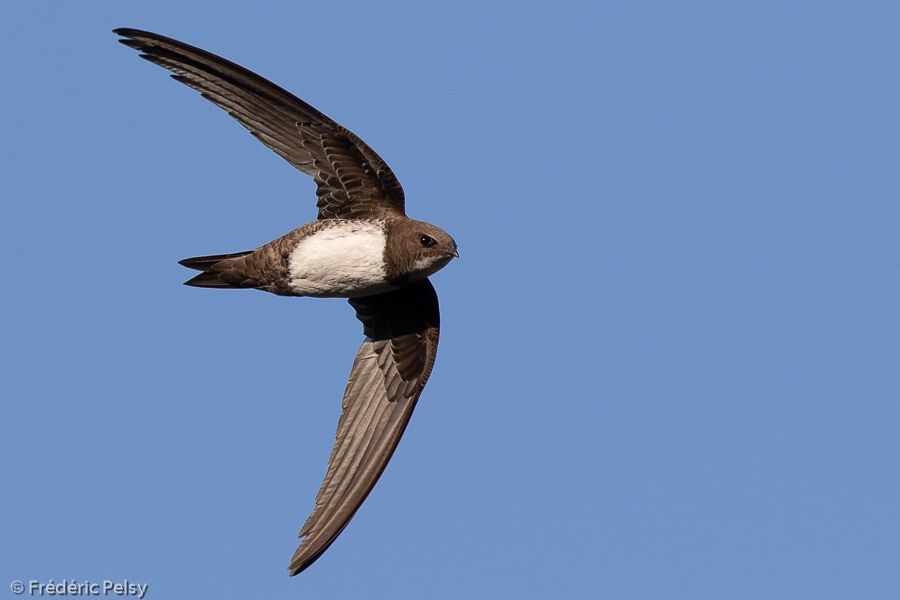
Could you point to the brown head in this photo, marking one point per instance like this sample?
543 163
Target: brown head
415 249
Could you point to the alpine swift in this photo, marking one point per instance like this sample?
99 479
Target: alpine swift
362 247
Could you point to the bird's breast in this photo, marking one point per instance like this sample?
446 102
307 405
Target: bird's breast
344 260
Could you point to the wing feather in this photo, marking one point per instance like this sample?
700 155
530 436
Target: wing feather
382 391
352 180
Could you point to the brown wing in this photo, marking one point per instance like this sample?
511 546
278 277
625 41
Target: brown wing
353 181
386 380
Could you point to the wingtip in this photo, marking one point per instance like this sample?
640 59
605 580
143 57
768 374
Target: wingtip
128 37
298 565
137 38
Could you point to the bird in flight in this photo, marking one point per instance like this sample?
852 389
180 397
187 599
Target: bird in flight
362 247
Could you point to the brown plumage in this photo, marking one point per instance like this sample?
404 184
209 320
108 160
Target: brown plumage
362 243
352 180
386 380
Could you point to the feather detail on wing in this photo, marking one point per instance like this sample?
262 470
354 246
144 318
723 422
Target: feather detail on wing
387 378
353 181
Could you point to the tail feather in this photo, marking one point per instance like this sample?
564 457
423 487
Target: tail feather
211 277
208 279
202 263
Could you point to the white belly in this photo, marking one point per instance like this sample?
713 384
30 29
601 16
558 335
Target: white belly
341 261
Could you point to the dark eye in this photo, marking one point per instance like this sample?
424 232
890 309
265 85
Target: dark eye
426 241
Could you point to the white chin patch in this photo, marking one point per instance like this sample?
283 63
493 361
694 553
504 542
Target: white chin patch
341 261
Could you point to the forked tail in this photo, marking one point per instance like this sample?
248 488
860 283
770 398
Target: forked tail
211 277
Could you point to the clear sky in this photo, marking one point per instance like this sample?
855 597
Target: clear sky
669 354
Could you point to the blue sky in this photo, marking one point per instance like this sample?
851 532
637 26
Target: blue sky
669 354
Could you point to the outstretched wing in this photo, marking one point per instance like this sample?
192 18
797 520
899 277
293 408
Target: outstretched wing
353 181
386 380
